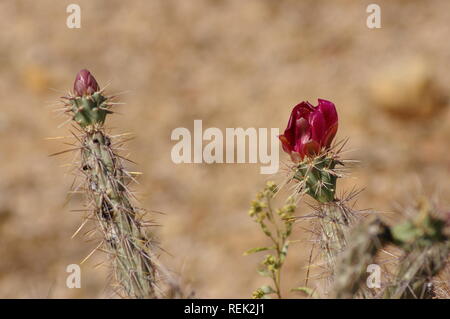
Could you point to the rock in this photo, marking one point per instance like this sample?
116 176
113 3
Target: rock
407 89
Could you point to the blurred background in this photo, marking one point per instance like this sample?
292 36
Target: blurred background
231 64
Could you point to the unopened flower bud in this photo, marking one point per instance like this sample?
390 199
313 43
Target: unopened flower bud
85 83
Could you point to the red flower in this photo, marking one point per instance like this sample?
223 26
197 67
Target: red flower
310 129
85 83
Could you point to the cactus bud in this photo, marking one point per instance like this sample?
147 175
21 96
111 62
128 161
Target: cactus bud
89 105
85 83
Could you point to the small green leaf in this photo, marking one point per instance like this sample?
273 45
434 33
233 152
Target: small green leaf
267 289
264 272
256 250
266 230
284 251
305 290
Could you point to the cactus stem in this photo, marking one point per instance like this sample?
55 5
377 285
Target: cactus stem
131 249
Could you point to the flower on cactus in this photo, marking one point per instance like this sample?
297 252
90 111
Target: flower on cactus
310 129
85 83
308 135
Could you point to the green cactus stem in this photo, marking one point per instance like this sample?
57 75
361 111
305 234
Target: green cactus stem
136 269
89 110
127 245
317 178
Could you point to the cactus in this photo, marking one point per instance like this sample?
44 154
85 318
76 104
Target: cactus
426 248
90 110
317 177
136 269
426 244
334 221
315 169
364 242
416 269
346 250
88 105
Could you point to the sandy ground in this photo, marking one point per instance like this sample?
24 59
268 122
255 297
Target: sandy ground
231 64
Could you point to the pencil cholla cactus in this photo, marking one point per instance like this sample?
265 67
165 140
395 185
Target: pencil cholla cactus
136 269
364 242
424 240
314 171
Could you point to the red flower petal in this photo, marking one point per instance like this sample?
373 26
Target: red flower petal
287 147
292 133
329 112
309 129
329 136
318 126
310 148
302 129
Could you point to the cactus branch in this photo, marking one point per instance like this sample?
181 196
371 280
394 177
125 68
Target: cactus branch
363 244
124 239
426 243
136 270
